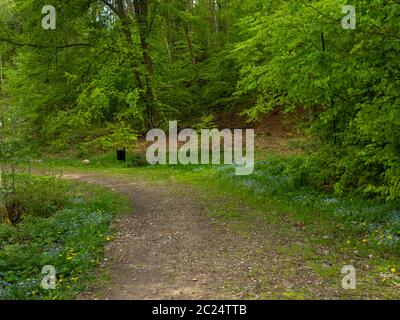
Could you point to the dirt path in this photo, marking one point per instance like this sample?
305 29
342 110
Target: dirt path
168 248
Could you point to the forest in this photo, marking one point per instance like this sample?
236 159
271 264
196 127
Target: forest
318 81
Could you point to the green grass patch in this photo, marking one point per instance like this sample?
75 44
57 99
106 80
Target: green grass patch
68 234
351 228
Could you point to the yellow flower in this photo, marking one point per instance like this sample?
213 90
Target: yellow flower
365 240
108 239
393 270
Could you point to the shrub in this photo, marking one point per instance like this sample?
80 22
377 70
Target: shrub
40 196
71 239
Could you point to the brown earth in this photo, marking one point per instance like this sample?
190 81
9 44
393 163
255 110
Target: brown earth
168 247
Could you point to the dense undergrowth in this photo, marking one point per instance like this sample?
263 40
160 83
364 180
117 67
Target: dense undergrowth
64 225
375 220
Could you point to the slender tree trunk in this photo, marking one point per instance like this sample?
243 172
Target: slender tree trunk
3 209
140 9
142 15
188 32
214 18
167 42
168 33
1 70
121 12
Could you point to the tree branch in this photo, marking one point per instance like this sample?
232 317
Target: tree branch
39 46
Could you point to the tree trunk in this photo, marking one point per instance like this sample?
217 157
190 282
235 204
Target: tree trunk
188 32
214 18
141 8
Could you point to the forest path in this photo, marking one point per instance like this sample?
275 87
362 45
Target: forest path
167 247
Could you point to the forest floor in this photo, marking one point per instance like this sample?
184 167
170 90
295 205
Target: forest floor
184 239
168 248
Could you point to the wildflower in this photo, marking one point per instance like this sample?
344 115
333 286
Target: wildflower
108 239
365 240
393 270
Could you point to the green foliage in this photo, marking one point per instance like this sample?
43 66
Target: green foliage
350 85
71 239
40 196
206 122
138 159
118 136
71 83
101 75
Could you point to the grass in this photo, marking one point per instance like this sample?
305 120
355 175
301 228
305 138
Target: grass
337 230
71 239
